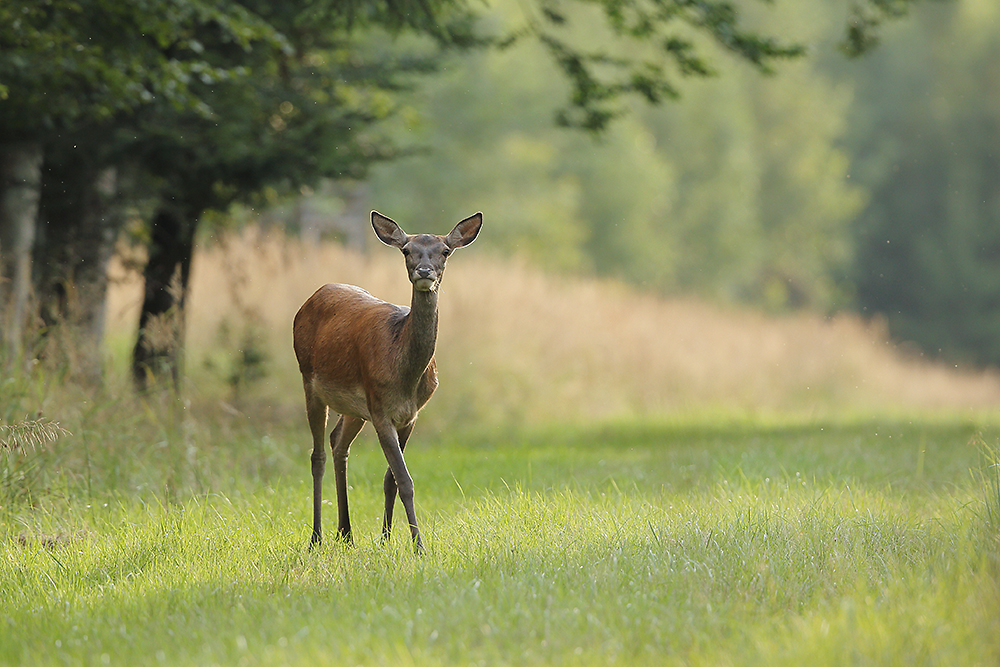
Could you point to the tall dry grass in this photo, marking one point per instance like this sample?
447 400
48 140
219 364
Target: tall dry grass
519 346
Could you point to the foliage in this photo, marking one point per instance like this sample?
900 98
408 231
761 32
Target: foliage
67 63
866 19
665 34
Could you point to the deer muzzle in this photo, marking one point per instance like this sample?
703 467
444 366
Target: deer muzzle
424 278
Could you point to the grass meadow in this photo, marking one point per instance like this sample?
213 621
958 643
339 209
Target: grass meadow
752 491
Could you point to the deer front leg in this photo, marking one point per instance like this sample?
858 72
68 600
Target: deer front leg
343 435
389 484
390 441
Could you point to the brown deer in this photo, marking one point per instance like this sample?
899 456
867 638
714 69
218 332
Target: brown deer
369 360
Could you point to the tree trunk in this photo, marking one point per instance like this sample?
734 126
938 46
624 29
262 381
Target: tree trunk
158 350
20 184
80 219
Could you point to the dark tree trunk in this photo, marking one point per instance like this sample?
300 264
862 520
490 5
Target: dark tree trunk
20 185
158 350
80 219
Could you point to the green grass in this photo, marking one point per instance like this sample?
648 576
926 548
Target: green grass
740 542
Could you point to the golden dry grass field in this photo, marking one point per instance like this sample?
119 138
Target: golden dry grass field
519 346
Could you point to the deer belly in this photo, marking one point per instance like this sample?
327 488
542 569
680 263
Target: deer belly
350 401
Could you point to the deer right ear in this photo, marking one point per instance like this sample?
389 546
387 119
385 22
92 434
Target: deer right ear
388 231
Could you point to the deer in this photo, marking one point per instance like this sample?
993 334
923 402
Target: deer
371 361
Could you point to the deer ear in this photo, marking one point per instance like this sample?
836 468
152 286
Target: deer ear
388 231
465 232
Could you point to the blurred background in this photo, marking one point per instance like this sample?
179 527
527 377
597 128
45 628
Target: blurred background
787 207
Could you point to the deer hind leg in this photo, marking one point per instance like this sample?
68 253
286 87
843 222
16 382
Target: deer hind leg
316 412
389 485
343 435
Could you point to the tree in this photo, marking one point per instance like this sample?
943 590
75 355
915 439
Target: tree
20 174
80 216
69 72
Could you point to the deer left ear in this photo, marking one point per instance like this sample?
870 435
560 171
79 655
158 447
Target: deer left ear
388 231
465 232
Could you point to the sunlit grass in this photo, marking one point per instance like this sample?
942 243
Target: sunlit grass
734 576
743 545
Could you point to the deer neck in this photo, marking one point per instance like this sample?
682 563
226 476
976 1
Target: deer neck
420 334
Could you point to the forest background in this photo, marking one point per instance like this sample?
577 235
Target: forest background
865 184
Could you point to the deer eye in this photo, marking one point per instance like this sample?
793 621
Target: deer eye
446 252
406 251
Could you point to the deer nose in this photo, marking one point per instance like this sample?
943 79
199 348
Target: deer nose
424 271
